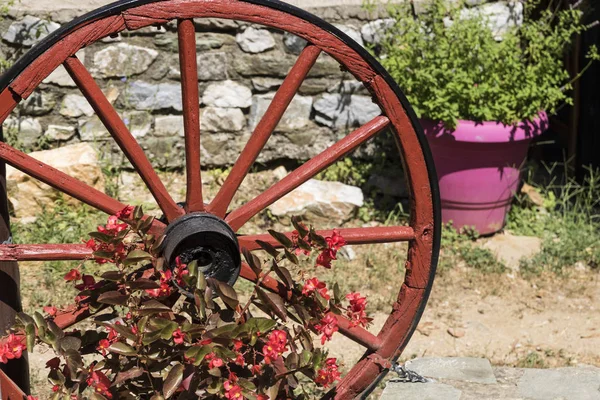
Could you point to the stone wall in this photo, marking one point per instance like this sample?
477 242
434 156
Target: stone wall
240 68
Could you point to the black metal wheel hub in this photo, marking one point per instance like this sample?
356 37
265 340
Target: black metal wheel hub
208 240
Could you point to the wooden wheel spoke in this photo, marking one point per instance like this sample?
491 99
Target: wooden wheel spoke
191 113
118 130
306 171
63 182
264 129
44 252
357 333
370 235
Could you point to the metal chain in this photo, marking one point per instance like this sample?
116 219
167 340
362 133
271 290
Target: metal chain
8 241
405 375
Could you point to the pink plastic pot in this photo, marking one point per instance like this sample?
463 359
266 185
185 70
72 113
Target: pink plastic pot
478 167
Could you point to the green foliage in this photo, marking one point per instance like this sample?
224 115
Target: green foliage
61 224
460 247
450 65
348 171
4 7
568 222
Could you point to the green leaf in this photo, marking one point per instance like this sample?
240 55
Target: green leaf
305 358
291 256
200 304
253 261
137 256
138 212
284 275
123 330
193 268
112 276
173 380
316 238
30 335
145 225
113 297
39 320
273 302
197 353
151 337
262 325
281 238
224 331
70 343
102 237
143 283
122 348
130 374
299 226
226 293
268 248
201 283
25 319
337 293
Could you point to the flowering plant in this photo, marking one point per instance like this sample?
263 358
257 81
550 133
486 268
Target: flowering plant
451 64
167 331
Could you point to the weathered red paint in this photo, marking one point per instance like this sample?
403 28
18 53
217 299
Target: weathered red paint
264 129
9 390
44 252
59 180
397 329
368 235
191 113
119 131
309 169
8 102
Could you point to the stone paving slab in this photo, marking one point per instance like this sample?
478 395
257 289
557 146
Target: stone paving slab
561 383
421 391
467 369
574 383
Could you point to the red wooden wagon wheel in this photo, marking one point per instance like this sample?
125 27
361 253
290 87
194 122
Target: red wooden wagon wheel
423 233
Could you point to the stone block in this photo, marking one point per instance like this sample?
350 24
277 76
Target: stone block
253 40
122 59
467 369
419 391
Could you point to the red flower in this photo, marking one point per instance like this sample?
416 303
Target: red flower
100 383
112 227
239 360
180 270
324 259
16 345
237 344
205 342
103 346
165 288
213 361
30 397
262 397
256 369
232 392
50 310
126 213
327 327
55 388
73 275
297 249
328 373
178 336
313 284
276 345
356 310
335 241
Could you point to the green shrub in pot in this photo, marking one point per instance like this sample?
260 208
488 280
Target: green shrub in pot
451 65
